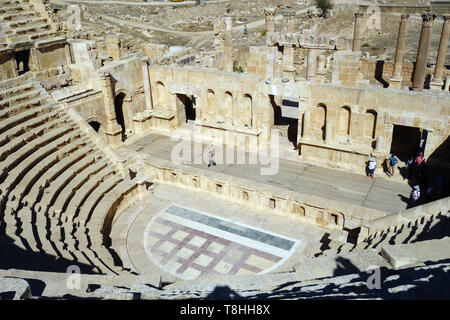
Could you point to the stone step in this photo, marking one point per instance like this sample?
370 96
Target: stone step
29 29
55 187
18 141
25 96
83 193
100 212
21 107
71 188
26 217
27 126
18 16
18 23
95 197
22 117
14 159
33 36
15 8
56 170
16 90
33 175
97 251
85 255
16 174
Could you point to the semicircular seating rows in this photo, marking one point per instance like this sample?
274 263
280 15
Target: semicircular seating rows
56 186
427 227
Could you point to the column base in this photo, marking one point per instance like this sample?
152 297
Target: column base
436 84
289 73
395 83
113 136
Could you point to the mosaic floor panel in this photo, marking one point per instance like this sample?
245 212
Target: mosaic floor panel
189 243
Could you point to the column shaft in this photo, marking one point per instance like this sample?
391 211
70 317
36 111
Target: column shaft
439 69
396 78
422 52
357 32
270 23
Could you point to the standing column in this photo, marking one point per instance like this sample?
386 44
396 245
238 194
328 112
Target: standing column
147 89
357 31
396 79
311 62
311 54
270 23
113 130
288 62
422 52
228 64
437 81
313 15
290 15
306 123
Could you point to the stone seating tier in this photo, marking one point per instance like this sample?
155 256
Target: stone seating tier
54 179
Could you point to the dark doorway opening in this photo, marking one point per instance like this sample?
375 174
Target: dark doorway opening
118 106
281 121
188 104
22 59
406 142
95 125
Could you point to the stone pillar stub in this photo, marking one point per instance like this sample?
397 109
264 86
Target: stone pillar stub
396 79
147 89
311 63
270 22
357 31
422 52
438 81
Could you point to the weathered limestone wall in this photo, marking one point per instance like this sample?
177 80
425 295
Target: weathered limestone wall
262 62
154 51
346 68
369 68
84 66
7 65
52 56
340 125
221 98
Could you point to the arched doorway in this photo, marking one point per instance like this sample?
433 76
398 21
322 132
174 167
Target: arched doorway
187 104
95 125
22 59
118 107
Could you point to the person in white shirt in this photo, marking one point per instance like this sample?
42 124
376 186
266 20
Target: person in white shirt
372 165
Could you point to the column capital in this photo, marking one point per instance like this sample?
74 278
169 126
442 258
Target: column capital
404 17
314 13
359 14
428 19
270 11
104 75
145 60
289 13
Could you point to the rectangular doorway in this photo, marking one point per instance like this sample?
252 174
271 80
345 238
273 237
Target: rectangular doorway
405 142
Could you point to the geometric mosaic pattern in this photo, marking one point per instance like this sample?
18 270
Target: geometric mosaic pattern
188 243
